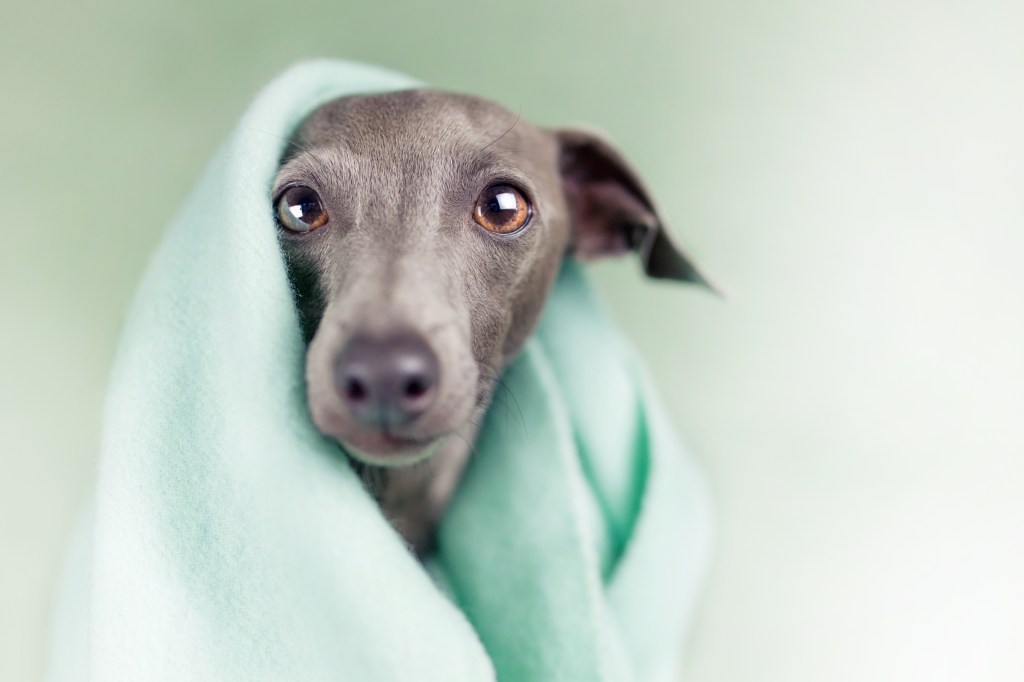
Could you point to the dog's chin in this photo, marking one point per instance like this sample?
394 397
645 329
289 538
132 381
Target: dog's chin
385 450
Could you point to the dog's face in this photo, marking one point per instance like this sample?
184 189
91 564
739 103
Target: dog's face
422 233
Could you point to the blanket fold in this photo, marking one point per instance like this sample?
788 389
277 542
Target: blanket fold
230 541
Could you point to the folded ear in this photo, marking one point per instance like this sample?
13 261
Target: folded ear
612 213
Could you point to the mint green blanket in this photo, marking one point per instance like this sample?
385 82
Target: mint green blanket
228 540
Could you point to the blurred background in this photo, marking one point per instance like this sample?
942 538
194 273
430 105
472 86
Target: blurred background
852 172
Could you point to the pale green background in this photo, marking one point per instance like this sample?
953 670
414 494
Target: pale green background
854 173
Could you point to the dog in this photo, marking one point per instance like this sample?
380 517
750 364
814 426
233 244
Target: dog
422 231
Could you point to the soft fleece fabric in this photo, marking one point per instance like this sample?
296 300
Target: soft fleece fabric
230 541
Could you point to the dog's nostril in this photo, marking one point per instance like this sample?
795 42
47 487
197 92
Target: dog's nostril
416 387
355 390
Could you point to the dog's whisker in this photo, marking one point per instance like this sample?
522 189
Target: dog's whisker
494 377
519 115
471 445
519 409
293 143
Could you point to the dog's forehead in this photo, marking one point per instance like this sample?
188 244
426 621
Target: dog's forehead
420 122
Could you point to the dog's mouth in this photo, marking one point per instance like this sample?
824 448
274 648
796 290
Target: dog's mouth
385 448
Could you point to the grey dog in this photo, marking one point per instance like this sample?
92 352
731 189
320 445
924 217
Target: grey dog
423 231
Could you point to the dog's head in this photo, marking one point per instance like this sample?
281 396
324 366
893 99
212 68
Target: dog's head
422 232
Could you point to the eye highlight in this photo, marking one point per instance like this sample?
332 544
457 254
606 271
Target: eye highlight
502 209
299 209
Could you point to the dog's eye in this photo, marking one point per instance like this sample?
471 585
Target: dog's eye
502 209
299 209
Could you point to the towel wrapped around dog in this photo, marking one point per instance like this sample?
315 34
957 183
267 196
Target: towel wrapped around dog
229 540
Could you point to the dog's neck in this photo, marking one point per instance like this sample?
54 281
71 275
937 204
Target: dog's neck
414 498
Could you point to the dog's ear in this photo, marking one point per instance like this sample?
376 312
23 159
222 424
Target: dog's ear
612 213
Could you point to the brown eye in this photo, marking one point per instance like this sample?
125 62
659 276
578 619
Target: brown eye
299 209
502 209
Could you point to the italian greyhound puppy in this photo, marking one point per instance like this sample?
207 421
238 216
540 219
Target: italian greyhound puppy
422 232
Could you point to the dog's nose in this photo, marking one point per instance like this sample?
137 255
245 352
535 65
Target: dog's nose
387 381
